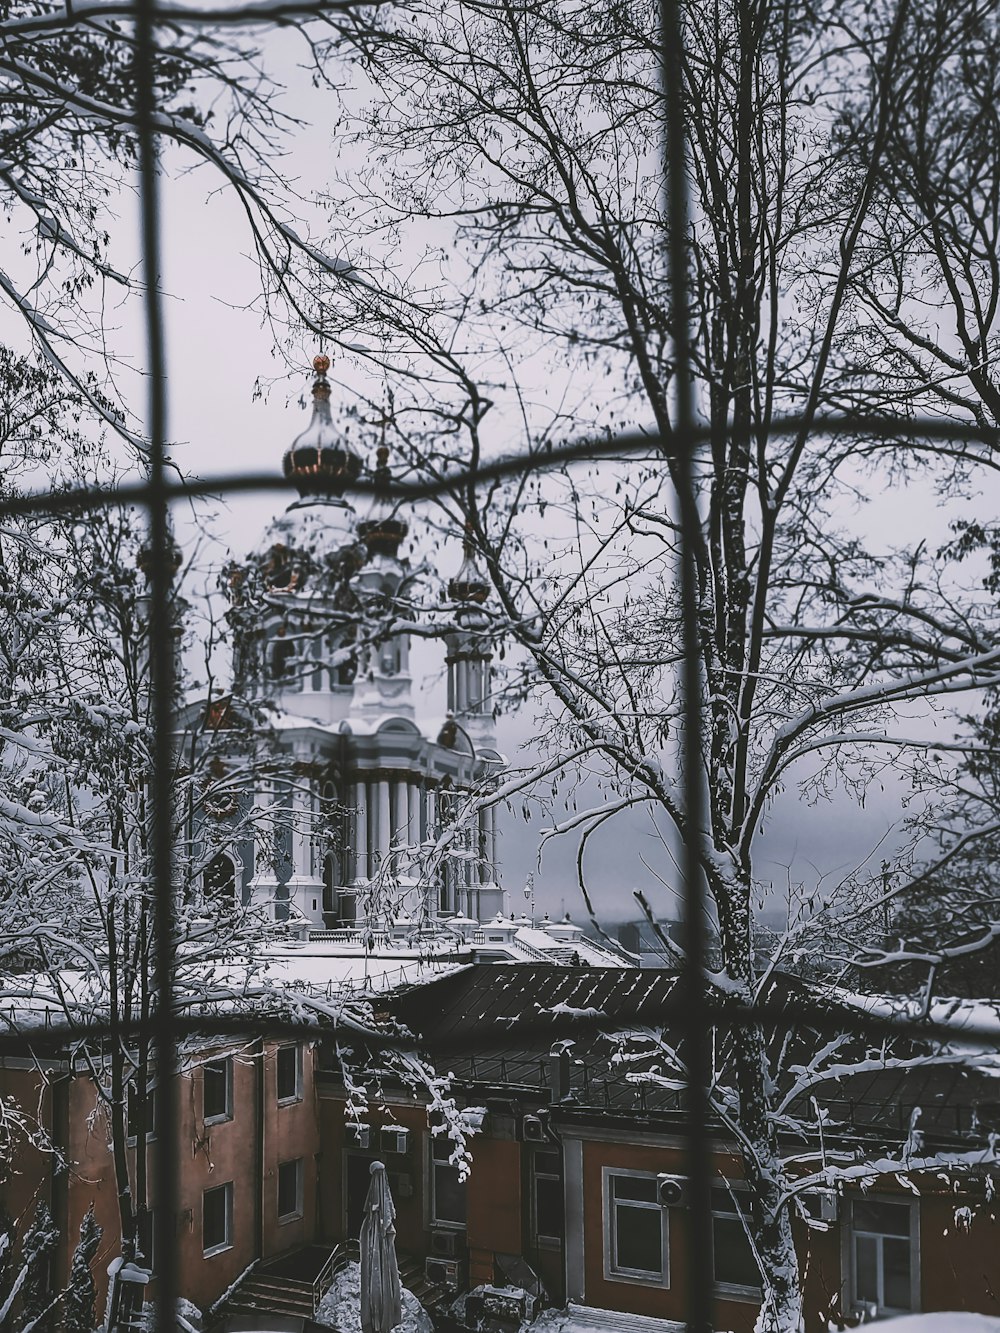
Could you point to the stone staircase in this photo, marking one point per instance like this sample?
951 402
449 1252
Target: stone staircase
288 1285
412 1276
272 1295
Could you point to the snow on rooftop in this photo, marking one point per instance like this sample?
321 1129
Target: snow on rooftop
980 1018
338 966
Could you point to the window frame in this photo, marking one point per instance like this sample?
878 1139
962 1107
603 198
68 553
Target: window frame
146 1244
613 1271
543 1239
729 1188
227 1243
298 1212
433 1163
218 1117
288 1099
131 1136
849 1266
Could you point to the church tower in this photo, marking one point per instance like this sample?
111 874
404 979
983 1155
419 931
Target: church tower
386 817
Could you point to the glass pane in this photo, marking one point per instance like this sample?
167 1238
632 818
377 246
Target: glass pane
441 1147
548 1162
866 1268
635 1187
723 1201
288 1188
549 1207
213 1228
639 1239
734 1261
288 1071
896 1269
449 1195
888 1219
216 1089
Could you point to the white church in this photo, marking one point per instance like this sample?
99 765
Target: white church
388 831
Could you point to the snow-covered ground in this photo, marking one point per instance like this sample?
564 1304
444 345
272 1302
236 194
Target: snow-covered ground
582 1321
941 1322
340 1308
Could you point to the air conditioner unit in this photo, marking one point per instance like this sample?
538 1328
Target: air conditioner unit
820 1205
533 1129
444 1244
443 1272
358 1136
394 1140
672 1191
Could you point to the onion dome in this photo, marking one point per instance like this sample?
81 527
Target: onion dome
383 530
469 584
318 463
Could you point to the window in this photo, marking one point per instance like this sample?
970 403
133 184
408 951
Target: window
883 1255
217 1085
220 879
447 1191
734 1267
289 1073
139 1109
290 1190
283 660
635 1228
217 1219
547 1196
144 1238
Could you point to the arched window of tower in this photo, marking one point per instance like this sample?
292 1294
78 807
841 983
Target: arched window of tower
281 661
219 879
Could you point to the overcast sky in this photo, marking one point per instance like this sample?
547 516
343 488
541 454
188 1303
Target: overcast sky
218 349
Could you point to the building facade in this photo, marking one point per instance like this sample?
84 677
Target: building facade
366 781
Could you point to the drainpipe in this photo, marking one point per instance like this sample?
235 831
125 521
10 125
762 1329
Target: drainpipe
259 1085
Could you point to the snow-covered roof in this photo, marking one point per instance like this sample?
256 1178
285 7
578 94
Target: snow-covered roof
321 965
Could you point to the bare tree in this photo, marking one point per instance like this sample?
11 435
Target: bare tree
530 137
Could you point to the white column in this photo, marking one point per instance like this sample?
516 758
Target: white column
384 825
430 812
360 823
485 866
413 812
491 842
399 824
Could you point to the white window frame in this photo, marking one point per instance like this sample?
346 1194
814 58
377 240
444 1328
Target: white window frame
849 1250
300 1174
612 1271
290 1098
227 1243
733 1211
221 1117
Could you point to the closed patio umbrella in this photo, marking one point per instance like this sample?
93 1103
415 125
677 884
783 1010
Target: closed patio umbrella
381 1303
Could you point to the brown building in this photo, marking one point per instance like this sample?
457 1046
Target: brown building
249 1147
578 1181
579 1172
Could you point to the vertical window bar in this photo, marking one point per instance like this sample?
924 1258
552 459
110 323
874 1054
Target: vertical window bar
161 566
692 981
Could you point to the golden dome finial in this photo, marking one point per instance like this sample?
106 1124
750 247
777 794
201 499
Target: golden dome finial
321 363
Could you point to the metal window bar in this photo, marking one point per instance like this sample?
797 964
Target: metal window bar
690 1008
